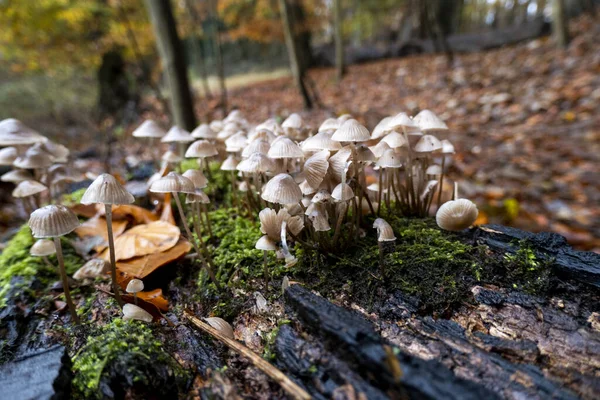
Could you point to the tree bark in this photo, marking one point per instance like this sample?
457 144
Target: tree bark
560 24
201 65
297 70
218 54
172 55
339 41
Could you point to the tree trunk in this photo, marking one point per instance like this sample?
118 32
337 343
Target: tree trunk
172 55
560 24
218 54
297 70
201 65
339 41
541 6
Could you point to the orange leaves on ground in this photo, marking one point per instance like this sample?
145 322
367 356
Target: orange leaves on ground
96 226
137 215
155 237
155 297
140 267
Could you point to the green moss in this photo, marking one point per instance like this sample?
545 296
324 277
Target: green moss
73 198
526 271
122 347
269 338
17 264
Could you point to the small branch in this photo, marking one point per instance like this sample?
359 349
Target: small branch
291 388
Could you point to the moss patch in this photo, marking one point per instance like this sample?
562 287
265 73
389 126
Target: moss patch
125 355
16 262
526 271
73 198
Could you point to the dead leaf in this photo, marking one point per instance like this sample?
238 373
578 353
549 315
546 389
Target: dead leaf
155 237
96 226
138 215
84 210
140 267
155 297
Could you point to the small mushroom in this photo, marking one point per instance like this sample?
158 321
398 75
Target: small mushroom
457 214
92 269
53 222
385 233
134 286
131 311
221 325
43 248
108 191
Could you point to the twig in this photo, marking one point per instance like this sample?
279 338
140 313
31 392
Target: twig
291 388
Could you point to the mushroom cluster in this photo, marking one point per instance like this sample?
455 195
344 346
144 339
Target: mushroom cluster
40 167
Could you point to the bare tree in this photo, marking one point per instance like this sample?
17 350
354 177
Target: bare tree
214 17
172 56
297 69
560 24
339 40
201 64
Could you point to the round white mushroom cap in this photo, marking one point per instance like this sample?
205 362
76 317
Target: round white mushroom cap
134 286
131 311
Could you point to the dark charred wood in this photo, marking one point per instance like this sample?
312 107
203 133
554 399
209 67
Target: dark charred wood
44 374
582 266
354 339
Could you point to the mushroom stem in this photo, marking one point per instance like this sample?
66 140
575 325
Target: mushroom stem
192 241
111 250
381 259
266 270
439 196
455 194
207 168
338 224
135 299
379 191
233 189
47 262
208 224
65 280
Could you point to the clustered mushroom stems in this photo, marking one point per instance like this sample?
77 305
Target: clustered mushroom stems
190 238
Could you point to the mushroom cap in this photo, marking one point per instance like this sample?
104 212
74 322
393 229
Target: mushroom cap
172 183
8 155
42 248
342 192
52 221
330 125
256 163
381 129
197 178
343 118
282 189
322 196
262 133
234 115
385 233
131 311
319 221
284 147
28 188
447 147
256 146
265 243
204 131
216 125
57 152
338 161
230 163
364 154
294 121
272 221
320 141
395 139
315 168
171 156
428 144
433 169
306 188
92 269
456 215
15 133
427 121
16 176
389 159
177 135
236 142
429 186
401 121
351 131
105 189
198 197
201 149
134 286
221 325
149 129
379 148
34 158
229 129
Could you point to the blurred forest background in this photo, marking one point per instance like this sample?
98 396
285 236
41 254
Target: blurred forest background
517 81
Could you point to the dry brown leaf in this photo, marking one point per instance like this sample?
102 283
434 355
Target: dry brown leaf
155 237
138 215
155 297
84 210
140 267
96 227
